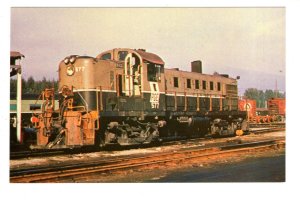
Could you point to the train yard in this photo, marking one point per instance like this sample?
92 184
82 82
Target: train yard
135 116
85 167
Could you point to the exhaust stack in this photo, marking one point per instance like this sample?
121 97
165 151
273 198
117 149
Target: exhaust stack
197 66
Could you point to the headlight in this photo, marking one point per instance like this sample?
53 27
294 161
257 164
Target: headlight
70 70
66 61
72 59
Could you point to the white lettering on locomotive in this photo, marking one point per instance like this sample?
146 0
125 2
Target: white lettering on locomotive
80 69
154 97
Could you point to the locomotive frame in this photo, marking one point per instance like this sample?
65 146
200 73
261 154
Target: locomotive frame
127 96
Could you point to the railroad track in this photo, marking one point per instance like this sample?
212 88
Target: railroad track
85 170
267 130
269 125
49 152
37 153
56 152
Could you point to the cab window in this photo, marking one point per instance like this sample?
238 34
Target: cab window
106 56
154 72
122 55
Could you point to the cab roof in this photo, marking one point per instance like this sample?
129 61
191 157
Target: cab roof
146 56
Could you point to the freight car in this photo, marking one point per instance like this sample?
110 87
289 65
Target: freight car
274 112
276 106
248 105
127 96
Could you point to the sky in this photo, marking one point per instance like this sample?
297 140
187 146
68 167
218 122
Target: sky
245 42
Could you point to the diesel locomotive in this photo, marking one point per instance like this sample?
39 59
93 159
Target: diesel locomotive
127 96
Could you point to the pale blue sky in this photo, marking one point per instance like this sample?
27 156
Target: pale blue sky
249 42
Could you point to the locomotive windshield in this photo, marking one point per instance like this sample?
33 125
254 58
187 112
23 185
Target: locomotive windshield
106 56
122 55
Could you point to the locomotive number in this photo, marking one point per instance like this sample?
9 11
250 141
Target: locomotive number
154 100
79 69
155 105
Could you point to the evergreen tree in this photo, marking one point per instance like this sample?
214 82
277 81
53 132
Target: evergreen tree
13 85
30 86
269 94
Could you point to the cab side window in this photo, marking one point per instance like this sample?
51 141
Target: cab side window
154 72
106 56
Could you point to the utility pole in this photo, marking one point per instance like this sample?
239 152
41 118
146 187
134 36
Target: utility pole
276 91
276 88
17 70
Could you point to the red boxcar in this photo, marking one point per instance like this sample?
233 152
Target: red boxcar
248 105
276 106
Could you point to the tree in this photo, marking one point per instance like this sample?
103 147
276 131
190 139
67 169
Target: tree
33 87
269 94
30 85
281 95
24 86
261 99
13 85
260 96
251 93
